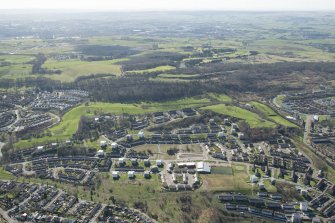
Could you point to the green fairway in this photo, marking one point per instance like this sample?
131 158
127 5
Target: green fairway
251 118
272 115
72 69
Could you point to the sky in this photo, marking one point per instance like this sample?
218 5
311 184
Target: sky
146 5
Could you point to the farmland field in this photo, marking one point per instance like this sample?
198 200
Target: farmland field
72 69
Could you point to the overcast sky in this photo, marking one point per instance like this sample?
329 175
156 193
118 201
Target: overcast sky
131 5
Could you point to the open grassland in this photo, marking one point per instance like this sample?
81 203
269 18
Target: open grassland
272 115
15 66
280 99
72 69
69 123
236 179
220 97
156 69
251 118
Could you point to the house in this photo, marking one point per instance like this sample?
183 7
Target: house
303 192
159 163
254 179
225 121
316 220
170 166
276 196
100 153
141 135
240 135
296 218
146 174
146 162
261 186
134 162
185 178
196 179
174 178
122 161
40 148
154 169
131 174
303 206
129 138
103 143
203 167
221 135
114 145
115 174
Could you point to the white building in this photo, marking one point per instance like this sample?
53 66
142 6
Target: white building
141 135
196 179
114 145
159 163
103 143
40 147
220 134
296 218
131 174
303 206
122 161
146 174
115 174
254 179
203 167
100 153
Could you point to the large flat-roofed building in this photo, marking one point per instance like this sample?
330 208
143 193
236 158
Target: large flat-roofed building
203 167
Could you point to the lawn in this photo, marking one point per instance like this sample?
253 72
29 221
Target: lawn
72 69
272 115
253 119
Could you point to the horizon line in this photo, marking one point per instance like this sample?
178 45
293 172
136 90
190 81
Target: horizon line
29 10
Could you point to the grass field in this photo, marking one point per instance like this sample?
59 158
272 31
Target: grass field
69 123
72 69
280 99
156 69
251 118
222 170
220 97
272 115
236 181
